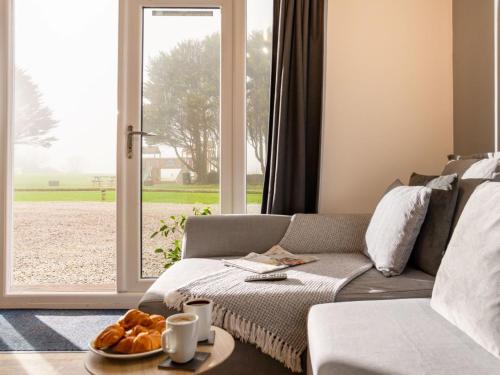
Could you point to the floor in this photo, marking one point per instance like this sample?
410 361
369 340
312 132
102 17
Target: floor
42 363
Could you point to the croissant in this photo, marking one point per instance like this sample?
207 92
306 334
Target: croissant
136 330
109 336
150 321
155 318
145 342
159 326
134 317
124 346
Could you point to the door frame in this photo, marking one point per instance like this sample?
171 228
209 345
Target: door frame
130 286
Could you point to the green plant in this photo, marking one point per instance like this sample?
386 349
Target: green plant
172 230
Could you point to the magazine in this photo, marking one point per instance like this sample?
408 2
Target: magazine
275 259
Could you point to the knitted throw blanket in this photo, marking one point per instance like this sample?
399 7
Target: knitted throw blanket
273 315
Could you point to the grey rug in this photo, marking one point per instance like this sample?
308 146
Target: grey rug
52 330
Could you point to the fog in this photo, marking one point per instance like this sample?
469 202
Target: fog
69 49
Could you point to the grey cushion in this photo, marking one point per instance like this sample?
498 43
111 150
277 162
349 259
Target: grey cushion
325 234
397 182
465 190
394 227
370 285
398 337
467 289
236 235
433 238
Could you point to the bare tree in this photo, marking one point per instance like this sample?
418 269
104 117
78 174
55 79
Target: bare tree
33 120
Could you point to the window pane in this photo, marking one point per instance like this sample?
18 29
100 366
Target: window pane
259 45
64 136
181 99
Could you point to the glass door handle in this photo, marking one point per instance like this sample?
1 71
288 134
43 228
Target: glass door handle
130 141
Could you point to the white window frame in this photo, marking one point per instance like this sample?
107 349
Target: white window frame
130 286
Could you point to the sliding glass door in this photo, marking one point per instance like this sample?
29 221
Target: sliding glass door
119 115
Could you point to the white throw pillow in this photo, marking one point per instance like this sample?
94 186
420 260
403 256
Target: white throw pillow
484 168
467 287
394 227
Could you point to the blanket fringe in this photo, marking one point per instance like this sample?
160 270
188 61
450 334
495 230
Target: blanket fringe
245 331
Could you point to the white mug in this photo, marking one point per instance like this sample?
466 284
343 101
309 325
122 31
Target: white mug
202 308
181 337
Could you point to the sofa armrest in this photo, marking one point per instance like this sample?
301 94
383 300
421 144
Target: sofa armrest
232 235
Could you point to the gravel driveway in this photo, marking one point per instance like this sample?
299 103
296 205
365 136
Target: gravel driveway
71 245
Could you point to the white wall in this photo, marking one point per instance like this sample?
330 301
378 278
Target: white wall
388 97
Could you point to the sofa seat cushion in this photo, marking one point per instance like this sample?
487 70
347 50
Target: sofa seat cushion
372 284
403 336
176 276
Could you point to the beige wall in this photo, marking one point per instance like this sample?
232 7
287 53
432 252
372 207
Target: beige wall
473 76
388 97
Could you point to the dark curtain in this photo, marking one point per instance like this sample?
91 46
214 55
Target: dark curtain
292 171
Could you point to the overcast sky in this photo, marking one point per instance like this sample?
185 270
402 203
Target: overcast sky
70 50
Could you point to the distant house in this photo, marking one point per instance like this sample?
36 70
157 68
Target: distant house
156 169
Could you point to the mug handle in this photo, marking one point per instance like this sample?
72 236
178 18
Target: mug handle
165 340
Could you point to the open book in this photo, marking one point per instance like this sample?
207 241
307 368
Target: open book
276 258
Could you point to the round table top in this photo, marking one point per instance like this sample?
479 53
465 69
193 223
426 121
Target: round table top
219 352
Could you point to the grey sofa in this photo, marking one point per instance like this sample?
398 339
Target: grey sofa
207 239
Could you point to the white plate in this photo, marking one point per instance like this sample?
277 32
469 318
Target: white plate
103 353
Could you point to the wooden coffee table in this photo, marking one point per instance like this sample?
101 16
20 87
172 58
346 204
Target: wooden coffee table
219 352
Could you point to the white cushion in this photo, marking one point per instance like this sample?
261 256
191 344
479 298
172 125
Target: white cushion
394 227
467 288
484 168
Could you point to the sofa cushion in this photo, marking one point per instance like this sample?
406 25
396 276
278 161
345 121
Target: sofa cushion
458 166
325 234
484 165
484 168
465 190
176 276
391 337
467 290
370 285
433 238
394 227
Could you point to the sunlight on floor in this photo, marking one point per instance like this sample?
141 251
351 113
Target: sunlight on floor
42 363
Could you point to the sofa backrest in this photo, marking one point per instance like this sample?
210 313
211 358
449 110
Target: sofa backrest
232 235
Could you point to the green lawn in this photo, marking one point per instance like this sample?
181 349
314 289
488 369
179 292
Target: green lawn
149 197
176 193
35 181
